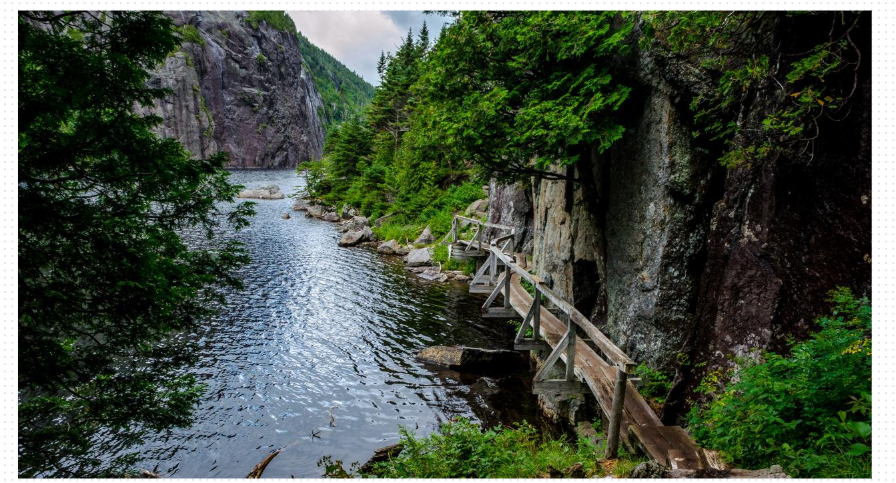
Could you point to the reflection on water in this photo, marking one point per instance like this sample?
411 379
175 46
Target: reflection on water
323 339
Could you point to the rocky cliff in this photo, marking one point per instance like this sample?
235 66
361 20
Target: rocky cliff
240 89
670 253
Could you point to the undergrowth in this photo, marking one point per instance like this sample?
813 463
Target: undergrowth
809 411
462 449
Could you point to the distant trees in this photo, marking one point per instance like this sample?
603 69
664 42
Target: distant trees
105 280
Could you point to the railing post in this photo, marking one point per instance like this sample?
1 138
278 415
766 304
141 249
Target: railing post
479 236
571 350
536 315
454 231
507 274
616 413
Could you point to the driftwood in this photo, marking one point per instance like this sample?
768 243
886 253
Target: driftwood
774 472
259 468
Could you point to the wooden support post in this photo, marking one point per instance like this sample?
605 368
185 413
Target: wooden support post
536 314
479 236
616 413
454 231
570 350
507 275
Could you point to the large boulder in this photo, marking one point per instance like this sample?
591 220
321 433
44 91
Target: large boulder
349 211
331 216
300 205
389 247
354 224
648 469
266 192
352 238
474 359
419 257
315 211
476 206
425 238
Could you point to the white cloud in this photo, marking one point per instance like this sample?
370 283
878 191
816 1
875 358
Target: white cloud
358 38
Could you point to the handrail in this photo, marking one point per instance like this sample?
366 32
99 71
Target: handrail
614 353
485 224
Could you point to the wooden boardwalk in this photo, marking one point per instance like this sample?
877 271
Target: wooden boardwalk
599 367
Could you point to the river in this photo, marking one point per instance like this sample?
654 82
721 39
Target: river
323 331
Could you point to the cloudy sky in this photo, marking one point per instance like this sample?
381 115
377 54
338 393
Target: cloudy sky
357 38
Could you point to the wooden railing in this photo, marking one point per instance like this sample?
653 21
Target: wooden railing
501 253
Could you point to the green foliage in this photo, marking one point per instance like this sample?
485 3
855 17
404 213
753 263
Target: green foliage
809 411
806 87
344 93
191 34
507 88
104 278
655 384
462 449
260 59
279 20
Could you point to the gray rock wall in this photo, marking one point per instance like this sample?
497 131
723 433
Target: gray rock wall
240 90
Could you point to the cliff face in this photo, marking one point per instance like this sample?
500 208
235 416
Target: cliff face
240 90
670 253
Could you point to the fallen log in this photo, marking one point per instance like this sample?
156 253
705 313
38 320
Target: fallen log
259 468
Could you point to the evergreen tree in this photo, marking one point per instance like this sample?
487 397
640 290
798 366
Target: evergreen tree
104 277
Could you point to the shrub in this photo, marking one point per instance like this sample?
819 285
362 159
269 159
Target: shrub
656 384
191 34
809 412
461 449
260 59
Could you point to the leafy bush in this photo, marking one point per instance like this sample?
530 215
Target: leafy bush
656 384
810 411
260 59
462 449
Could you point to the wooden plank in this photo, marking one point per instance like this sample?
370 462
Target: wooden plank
483 289
558 387
600 340
500 313
488 225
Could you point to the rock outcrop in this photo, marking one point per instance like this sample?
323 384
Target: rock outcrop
352 238
474 359
419 257
240 90
266 192
670 253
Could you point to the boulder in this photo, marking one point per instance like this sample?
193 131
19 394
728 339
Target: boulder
266 192
476 206
403 250
285 216
431 273
425 238
315 211
419 257
355 223
648 469
389 247
349 211
381 455
300 205
352 238
331 216
474 359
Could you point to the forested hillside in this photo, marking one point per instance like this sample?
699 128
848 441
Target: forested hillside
345 94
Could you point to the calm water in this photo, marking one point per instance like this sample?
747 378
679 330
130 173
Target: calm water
323 331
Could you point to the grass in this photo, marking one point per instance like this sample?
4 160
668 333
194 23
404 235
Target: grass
462 449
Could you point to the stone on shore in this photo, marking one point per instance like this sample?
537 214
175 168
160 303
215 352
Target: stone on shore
349 211
331 216
285 216
425 238
266 192
419 257
315 211
474 359
476 206
352 238
389 247
300 205
354 224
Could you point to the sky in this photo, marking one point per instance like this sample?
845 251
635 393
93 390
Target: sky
356 38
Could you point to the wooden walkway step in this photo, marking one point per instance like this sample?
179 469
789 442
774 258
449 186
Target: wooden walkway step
640 424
